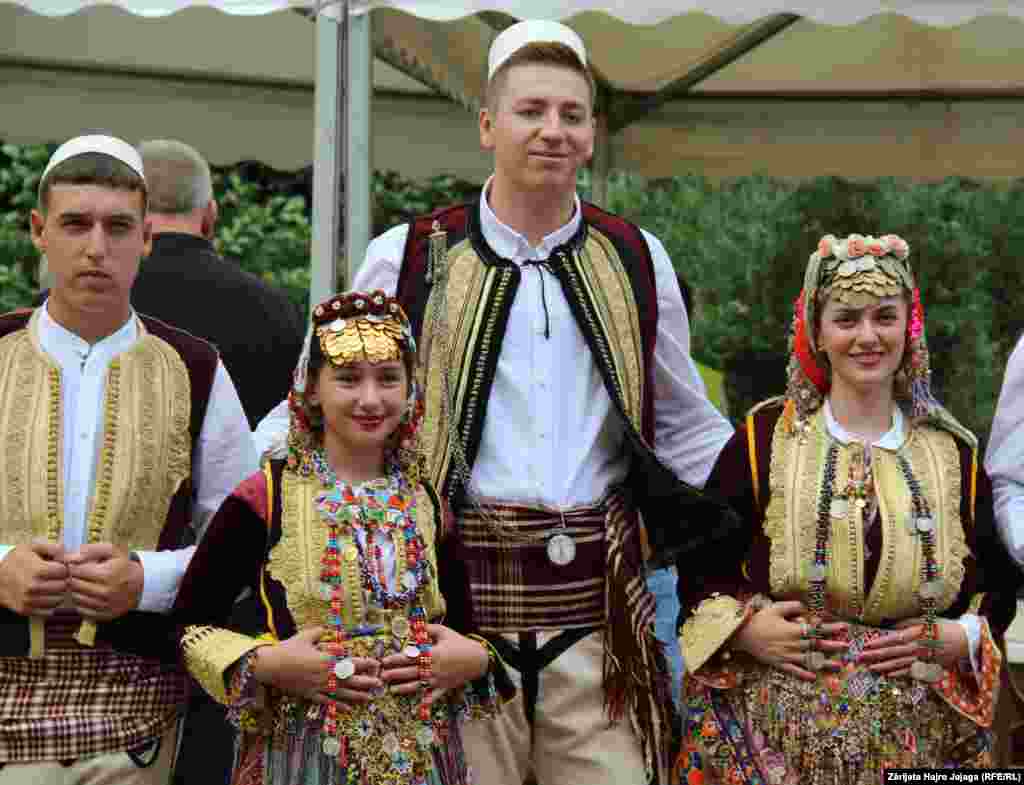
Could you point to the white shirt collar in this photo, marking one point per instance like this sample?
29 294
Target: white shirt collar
66 346
510 244
891 440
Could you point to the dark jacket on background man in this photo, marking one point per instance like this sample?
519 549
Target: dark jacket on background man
256 328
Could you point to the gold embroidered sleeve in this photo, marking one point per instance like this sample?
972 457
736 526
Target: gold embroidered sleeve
711 625
210 652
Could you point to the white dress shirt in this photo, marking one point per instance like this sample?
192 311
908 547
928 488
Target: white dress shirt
550 436
1004 458
892 440
225 453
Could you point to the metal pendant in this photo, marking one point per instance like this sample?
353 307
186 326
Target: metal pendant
399 626
344 668
925 524
410 581
815 660
931 590
929 672
412 651
839 508
561 549
331 747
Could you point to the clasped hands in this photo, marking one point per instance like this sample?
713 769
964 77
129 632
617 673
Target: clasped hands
778 636
100 580
301 666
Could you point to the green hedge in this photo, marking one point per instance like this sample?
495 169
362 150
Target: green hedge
742 246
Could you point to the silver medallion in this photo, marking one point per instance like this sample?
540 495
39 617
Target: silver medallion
839 508
399 626
409 580
561 549
390 744
412 651
344 668
926 671
816 572
425 736
925 524
931 590
331 747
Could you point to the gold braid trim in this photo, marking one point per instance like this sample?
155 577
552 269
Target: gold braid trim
711 625
210 652
146 452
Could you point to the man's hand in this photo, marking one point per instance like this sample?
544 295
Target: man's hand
33 579
105 582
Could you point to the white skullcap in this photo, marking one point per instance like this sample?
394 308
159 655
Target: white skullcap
97 143
532 31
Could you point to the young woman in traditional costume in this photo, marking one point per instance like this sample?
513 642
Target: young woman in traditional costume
330 665
853 632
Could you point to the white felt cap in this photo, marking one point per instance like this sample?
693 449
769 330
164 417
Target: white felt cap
97 143
532 31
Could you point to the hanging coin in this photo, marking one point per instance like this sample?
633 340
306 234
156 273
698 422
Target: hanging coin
425 736
332 747
351 553
816 572
400 626
925 524
344 668
409 580
930 590
839 508
561 550
815 661
929 672
412 651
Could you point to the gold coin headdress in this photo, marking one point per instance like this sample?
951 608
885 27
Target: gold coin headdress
859 270
349 328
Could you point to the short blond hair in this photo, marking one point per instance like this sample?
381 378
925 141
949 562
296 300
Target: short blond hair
539 53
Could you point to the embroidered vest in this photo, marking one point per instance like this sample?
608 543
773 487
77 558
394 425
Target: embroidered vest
791 520
607 275
155 399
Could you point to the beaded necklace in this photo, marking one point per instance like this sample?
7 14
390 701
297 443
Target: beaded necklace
382 507
832 505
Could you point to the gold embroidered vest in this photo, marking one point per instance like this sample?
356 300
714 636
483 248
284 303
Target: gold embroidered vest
476 296
295 560
144 457
796 478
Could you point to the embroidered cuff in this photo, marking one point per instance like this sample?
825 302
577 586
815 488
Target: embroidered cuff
494 687
711 625
209 654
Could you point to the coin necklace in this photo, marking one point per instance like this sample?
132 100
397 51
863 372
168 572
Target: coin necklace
931 587
379 510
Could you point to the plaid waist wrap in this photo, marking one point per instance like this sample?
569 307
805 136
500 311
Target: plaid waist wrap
75 702
516 588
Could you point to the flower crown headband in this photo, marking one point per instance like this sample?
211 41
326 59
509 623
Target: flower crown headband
351 327
855 270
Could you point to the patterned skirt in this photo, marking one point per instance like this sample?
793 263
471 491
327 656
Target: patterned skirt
845 728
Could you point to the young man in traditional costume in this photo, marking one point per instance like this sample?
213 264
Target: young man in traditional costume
122 436
561 402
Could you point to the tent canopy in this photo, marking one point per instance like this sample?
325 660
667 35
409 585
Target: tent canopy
861 88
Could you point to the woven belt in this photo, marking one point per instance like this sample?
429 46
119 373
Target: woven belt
515 586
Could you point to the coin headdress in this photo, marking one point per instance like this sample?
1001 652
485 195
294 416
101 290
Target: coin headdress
350 328
857 271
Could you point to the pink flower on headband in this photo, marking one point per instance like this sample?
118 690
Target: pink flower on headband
897 246
825 246
855 247
916 317
876 249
